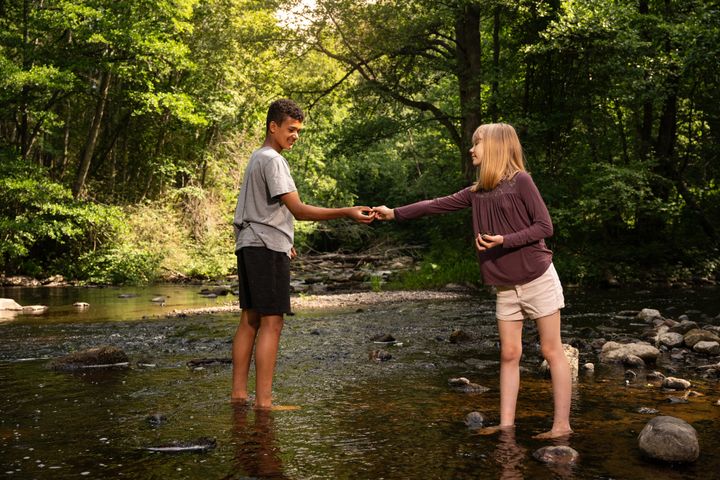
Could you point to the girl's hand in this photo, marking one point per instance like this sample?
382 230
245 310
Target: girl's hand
485 241
384 213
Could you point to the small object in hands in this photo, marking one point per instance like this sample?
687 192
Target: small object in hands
485 236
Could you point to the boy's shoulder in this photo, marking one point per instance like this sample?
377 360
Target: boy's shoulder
265 153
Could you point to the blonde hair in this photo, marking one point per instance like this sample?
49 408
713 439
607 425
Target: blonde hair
502 155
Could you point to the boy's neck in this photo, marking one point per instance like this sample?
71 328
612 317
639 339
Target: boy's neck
272 143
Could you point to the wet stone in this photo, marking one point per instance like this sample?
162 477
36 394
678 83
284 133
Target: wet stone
156 419
201 444
383 338
474 420
648 315
707 348
671 339
380 356
648 411
698 335
683 327
673 383
633 361
100 357
208 362
655 376
557 455
459 336
463 385
669 439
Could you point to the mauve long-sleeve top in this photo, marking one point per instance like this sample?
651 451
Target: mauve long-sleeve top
513 209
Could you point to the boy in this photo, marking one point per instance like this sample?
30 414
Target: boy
267 205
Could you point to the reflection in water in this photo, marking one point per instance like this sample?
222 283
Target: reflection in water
509 455
256 452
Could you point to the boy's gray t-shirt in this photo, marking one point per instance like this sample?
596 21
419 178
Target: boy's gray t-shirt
261 219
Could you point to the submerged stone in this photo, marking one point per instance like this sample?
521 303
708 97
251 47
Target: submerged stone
201 444
557 455
100 357
380 356
669 439
474 420
462 384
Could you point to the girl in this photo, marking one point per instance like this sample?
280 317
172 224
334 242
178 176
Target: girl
510 223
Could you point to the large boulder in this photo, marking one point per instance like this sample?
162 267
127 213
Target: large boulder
699 335
613 352
669 439
10 304
99 357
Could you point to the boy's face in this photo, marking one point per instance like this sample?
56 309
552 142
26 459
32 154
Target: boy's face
286 134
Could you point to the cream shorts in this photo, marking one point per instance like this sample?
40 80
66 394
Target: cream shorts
538 298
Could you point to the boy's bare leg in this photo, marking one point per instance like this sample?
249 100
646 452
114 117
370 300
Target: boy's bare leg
552 350
242 349
266 348
510 353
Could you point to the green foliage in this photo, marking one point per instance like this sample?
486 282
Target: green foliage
446 263
40 222
123 265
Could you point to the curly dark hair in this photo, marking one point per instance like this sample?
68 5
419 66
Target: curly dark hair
281 109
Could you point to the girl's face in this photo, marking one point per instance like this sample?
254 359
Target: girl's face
476 152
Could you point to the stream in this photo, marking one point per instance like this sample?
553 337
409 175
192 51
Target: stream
357 418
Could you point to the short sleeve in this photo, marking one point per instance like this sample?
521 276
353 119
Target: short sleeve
277 177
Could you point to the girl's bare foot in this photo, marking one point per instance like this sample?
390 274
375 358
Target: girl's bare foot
553 434
494 429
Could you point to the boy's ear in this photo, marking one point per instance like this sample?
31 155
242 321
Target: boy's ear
272 126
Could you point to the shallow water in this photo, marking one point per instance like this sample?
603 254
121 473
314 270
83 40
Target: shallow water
358 419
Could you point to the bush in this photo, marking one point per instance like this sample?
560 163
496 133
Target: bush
43 227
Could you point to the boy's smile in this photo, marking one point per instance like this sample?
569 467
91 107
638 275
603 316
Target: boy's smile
284 136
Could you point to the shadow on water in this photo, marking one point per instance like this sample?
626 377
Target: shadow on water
358 419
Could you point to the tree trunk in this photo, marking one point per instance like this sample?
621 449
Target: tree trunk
493 108
93 134
467 35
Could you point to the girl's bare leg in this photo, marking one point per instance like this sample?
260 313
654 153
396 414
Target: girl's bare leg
510 353
266 348
552 350
242 349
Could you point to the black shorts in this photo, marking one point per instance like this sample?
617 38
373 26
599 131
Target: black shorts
264 277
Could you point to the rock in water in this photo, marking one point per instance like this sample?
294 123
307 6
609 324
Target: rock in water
100 357
462 384
208 362
459 336
573 356
380 356
673 383
669 439
383 338
613 352
81 305
10 304
557 455
202 444
474 420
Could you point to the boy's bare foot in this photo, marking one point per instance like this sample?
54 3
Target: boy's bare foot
553 434
494 429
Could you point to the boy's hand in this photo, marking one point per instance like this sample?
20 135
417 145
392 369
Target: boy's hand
293 253
486 241
384 213
362 214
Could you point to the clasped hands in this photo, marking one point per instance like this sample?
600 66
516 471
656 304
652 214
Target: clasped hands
483 241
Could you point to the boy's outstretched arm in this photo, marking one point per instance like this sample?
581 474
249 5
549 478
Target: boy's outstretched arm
302 211
384 213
